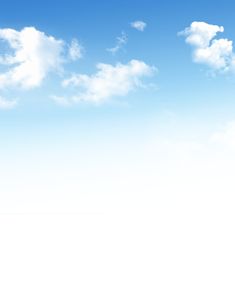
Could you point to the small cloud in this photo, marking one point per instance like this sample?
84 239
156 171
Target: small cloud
75 50
120 42
7 104
139 25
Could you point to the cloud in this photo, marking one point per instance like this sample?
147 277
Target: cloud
139 25
200 34
107 82
217 56
75 50
216 53
33 54
7 104
120 42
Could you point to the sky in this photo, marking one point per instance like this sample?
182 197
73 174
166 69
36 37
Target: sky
117 146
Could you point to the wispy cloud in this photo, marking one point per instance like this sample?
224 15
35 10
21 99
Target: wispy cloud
107 82
6 103
120 42
139 25
75 50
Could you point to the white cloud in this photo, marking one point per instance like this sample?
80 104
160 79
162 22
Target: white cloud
75 50
216 53
34 55
139 25
200 34
108 81
120 42
7 104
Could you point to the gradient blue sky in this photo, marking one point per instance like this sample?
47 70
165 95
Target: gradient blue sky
134 194
183 87
183 102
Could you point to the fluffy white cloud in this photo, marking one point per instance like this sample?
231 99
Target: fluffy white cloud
33 55
107 82
139 25
200 34
7 104
75 50
120 42
216 53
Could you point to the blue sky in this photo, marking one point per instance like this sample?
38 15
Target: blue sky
117 146
171 96
96 27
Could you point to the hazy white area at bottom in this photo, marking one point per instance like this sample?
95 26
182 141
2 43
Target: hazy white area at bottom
149 221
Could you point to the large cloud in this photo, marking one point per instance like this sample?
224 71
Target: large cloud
33 55
216 53
107 82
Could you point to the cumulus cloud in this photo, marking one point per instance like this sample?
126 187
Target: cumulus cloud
216 53
7 104
33 54
139 25
200 34
120 42
107 82
75 50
